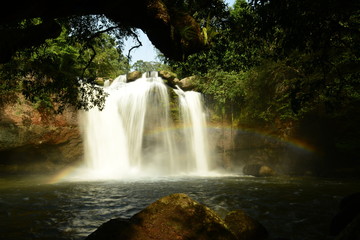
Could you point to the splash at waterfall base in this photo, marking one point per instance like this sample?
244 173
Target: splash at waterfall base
140 133
150 128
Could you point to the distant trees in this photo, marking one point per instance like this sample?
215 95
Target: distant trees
143 66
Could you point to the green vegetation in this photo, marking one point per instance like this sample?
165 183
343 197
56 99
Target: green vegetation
279 60
143 66
49 74
287 67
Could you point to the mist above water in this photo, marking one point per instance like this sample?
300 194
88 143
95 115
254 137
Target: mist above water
134 134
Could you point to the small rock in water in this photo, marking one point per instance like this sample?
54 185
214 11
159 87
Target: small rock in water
258 170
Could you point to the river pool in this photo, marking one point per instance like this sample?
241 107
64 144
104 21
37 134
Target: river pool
293 208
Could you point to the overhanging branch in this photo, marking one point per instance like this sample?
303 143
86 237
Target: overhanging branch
91 47
136 46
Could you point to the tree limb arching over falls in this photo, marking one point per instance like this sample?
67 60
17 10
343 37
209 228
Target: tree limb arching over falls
162 23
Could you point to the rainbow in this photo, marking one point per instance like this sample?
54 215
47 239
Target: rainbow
63 174
298 144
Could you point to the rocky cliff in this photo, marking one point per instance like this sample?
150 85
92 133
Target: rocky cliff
36 140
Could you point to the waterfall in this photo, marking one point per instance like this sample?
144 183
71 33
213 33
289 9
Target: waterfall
193 116
134 135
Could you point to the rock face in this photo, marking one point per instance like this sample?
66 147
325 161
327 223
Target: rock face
179 217
37 141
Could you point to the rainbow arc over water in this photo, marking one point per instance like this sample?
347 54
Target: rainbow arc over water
294 143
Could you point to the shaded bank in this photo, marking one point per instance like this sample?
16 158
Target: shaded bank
312 146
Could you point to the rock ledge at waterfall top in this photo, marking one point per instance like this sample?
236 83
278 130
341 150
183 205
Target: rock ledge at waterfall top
169 78
177 216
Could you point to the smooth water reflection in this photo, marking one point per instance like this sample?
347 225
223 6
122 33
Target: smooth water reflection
288 207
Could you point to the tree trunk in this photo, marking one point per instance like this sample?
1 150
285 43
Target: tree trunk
162 25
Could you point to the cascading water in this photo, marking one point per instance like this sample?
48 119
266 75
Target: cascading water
194 117
134 134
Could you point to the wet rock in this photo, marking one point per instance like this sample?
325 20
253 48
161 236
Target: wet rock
346 223
167 75
173 217
169 78
258 170
244 227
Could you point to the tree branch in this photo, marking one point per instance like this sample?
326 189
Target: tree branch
136 46
90 61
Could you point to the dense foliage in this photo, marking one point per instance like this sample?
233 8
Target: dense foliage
282 59
143 66
291 68
49 74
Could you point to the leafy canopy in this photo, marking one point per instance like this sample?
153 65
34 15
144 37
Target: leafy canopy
279 60
88 47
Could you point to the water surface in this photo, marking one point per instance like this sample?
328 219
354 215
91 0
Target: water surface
295 208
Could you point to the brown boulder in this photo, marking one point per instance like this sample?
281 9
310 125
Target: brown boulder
187 83
173 217
132 76
169 78
167 75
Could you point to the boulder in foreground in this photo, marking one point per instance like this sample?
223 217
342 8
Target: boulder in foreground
174 217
